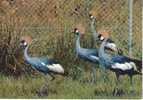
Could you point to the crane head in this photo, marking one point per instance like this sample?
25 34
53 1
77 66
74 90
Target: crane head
23 44
92 16
77 32
25 41
79 29
110 45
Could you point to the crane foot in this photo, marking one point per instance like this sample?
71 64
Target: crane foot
118 92
132 92
43 91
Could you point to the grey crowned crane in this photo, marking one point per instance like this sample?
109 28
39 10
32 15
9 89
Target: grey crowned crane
86 54
121 65
99 36
43 64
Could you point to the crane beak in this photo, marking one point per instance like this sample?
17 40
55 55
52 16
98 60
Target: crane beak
111 46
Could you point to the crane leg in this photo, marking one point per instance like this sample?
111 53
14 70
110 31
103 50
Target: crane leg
131 83
118 80
44 88
53 78
117 90
104 75
93 75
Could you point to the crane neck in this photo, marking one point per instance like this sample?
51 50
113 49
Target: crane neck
25 53
93 28
27 57
105 59
101 49
78 42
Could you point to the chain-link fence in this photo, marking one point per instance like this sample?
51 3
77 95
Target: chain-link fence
51 21
59 16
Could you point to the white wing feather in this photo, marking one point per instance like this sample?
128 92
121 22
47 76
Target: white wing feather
125 66
56 68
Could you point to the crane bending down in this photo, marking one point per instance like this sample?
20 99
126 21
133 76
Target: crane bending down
99 37
44 65
121 65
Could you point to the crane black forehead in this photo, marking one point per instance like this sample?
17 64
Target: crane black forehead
99 35
22 41
75 29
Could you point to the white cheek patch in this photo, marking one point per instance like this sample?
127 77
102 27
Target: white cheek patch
25 43
101 38
125 66
55 68
91 17
76 31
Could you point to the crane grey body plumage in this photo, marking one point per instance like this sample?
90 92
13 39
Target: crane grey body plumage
121 65
90 55
117 62
44 64
84 53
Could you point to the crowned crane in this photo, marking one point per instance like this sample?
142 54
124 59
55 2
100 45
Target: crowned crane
121 65
90 55
43 64
99 36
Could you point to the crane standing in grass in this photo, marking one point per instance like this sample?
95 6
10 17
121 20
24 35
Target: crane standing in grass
86 54
121 65
43 64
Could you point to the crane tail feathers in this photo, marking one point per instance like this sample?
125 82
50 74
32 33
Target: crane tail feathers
138 64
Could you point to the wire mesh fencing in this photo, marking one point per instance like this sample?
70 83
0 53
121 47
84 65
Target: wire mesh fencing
60 16
52 22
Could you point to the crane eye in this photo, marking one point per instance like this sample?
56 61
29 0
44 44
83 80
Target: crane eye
23 43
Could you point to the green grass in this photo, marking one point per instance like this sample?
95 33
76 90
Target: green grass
66 88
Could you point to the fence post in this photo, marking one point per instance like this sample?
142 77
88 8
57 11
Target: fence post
130 26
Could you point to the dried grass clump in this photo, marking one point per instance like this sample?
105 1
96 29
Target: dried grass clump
11 55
